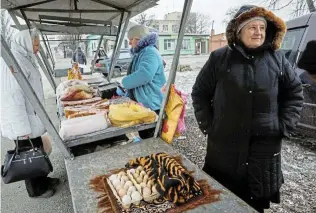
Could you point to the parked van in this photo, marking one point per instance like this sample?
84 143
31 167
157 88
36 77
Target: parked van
300 31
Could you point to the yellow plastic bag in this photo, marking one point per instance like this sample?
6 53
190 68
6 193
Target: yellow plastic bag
130 114
74 72
173 111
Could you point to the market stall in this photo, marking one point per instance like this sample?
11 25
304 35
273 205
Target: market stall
88 108
88 167
84 17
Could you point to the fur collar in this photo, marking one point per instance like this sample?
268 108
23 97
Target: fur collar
149 40
275 36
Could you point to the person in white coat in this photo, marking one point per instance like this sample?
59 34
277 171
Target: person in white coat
18 119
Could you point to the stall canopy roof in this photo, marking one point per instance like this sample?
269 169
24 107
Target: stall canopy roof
76 16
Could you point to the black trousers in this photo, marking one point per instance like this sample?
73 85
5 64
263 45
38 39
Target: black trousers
35 186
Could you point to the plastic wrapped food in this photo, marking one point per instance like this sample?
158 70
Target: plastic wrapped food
74 72
77 92
66 84
82 125
130 114
81 102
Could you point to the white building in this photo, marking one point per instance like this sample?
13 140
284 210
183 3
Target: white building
170 23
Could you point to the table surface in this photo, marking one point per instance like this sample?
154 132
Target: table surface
83 168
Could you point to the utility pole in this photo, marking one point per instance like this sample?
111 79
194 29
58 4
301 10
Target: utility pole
211 36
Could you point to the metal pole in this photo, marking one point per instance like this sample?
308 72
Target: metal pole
172 74
96 54
49 50
48 76
15 20
114 55
48 69
25 19
118 46
32 97
211 37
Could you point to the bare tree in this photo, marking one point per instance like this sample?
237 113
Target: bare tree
203 23
6 29
69 42
299 7
198 23
230 13
191 24
145 19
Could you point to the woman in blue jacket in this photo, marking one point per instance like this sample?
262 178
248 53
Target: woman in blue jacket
145 76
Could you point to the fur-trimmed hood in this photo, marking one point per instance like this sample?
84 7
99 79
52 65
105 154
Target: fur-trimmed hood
276 27
148 40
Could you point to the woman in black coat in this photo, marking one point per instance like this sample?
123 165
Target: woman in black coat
246 99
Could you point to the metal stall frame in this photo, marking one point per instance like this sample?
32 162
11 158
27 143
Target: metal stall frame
63 145
48 49
32 97
118 45
96 54
175 61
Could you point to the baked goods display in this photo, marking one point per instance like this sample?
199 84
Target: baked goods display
153 177
170 179
82 111
143 183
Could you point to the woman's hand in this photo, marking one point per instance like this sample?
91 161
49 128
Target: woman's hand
120 92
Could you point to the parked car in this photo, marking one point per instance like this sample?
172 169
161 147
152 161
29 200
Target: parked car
103 62
299 32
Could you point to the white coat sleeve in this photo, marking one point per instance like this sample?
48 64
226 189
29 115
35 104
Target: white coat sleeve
14 103
20 120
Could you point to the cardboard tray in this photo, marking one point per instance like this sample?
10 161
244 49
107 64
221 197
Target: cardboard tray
149 198
127 205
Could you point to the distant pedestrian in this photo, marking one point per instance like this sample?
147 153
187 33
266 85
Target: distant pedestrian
246 98
80 58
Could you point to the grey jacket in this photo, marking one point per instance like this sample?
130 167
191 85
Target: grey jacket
79 57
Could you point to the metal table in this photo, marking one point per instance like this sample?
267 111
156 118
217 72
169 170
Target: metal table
103 134
83 168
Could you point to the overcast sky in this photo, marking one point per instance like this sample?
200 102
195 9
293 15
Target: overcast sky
216 9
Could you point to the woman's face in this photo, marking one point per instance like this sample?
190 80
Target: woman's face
133 42
36 45
253 34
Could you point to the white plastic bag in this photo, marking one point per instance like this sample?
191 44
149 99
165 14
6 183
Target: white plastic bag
82 125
